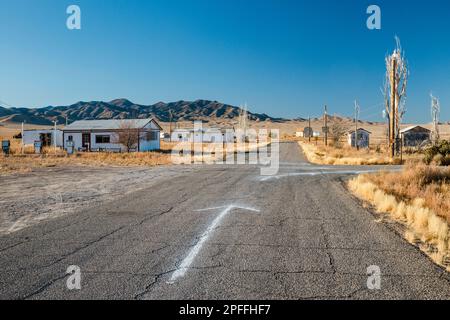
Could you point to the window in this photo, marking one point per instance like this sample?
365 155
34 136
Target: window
70 138
152 135
102 139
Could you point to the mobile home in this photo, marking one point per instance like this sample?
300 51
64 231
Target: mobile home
105 135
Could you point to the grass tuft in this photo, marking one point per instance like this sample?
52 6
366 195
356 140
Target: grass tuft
419 198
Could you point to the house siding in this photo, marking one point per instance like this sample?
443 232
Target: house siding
144 145
363 139
31 136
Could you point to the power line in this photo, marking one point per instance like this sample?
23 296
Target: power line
372 107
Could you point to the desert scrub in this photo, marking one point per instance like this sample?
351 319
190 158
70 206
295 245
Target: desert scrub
438 154
27 163
330 155
419 198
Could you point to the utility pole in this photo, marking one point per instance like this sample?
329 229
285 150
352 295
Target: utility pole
23 144
170 125
326 125
309 129
54 135
356 124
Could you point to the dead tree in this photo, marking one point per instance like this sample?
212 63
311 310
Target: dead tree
243 118
394 91
337 132
435 111
128 135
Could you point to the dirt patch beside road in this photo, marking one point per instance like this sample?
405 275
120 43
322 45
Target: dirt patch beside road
46 193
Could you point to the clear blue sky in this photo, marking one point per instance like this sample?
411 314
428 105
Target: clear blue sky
284 58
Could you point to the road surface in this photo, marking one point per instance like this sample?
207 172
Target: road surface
222 232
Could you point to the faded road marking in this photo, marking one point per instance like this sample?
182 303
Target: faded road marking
317 173
184 266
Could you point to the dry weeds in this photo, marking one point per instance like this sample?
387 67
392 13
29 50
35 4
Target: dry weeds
26 161
419 198
329 155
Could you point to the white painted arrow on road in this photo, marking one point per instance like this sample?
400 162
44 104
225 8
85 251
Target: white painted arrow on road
184 266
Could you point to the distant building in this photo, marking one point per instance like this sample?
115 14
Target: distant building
308 132
103 135
362 138
205 135
46 137
415 136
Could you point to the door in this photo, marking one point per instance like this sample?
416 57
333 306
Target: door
86 141
46 139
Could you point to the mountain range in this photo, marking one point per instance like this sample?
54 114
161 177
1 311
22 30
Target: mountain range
204 110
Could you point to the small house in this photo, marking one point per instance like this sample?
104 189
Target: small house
47 137
112 135
362 138
203 135
415 136
308 132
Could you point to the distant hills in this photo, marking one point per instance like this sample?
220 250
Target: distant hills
204 110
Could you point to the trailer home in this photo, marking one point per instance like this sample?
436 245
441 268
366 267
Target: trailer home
108 135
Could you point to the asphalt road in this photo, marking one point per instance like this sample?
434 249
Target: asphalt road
223 232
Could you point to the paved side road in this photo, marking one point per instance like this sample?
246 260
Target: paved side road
222 233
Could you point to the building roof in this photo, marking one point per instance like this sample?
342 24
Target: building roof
41 130
360 129
109 124
414 127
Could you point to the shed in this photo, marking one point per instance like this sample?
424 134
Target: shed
363 138
415 136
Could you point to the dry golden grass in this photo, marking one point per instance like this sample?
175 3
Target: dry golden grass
27 163
51 157
429 183
346 155
419 198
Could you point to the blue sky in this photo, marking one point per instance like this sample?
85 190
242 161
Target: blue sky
284 58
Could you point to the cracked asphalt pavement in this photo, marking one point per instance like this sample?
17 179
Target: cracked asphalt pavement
306 238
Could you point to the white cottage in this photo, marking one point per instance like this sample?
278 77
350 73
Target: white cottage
103 135
363 138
